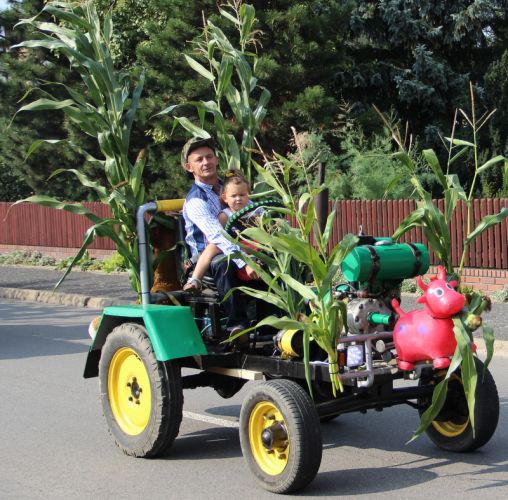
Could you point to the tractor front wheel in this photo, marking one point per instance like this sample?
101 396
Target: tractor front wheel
280 435
142 398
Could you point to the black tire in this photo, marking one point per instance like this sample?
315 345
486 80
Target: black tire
142 426
229 386
282 414
451 430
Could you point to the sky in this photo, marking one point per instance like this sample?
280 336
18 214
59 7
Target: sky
3 4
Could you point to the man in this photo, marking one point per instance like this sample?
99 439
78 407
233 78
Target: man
200 211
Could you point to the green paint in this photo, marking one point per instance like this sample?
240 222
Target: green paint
171 329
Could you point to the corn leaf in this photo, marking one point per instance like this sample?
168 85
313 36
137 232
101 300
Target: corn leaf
459 142
199 68
488 337
490 163
433 161
438 397
487 222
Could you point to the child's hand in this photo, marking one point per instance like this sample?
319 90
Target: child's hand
251 273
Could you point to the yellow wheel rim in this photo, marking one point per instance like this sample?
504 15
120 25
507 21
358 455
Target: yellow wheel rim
450 428
130 396
268 438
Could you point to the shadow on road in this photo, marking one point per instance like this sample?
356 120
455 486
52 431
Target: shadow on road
212 443
28 332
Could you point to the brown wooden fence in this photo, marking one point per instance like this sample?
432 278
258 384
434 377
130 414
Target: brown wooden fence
32 225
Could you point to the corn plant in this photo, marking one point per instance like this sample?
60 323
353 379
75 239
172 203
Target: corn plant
230 71
289 254
105 111
436 227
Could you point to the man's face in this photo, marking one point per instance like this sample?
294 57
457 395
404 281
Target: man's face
202 163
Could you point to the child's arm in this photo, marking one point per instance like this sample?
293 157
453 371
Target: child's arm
202 266
223 218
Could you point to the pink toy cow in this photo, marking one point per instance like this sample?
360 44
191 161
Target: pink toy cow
427 334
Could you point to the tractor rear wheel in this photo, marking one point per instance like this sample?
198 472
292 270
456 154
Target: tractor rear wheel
142 398
452 430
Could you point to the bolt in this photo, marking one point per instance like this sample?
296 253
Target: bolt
137 402
130 399
129 384
282 456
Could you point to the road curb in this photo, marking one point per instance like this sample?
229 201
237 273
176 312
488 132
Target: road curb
59 298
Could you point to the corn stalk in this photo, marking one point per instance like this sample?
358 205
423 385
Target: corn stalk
230 71
289 255
436 228
105 111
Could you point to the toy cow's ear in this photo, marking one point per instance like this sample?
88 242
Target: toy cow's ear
441 273
421 300
421 284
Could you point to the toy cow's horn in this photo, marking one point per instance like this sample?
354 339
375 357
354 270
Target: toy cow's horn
421 284
441 273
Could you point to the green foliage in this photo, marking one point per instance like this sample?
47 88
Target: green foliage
104 112
237 94
496 84
289 256
418 56
412 57
436 227
115 263
21 72
27 258
436 224
500 295
85 263
12 185
409 286
369 169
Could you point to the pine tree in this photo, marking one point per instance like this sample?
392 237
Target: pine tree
22 72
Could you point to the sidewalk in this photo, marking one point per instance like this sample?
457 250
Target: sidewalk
98 290
82 289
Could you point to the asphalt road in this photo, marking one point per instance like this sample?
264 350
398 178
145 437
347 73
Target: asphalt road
54 443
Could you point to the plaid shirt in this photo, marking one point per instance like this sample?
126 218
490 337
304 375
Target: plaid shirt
201 214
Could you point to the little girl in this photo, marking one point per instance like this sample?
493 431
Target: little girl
235 194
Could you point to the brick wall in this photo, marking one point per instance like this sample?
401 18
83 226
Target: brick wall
485 280
56 252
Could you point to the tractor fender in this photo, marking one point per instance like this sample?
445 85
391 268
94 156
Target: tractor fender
172 331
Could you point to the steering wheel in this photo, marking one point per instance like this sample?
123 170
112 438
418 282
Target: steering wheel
251 207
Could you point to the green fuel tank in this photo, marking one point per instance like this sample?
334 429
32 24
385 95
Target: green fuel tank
385 261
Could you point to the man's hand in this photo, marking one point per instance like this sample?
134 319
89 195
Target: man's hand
251 273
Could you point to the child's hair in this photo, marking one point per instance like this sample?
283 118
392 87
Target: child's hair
234 176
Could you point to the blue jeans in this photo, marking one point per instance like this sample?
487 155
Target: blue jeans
224 276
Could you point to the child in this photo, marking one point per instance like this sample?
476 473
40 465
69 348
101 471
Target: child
235 194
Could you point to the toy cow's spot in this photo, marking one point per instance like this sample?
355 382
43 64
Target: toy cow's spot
427 334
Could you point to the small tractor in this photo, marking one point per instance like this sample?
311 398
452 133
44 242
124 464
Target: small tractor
142 354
